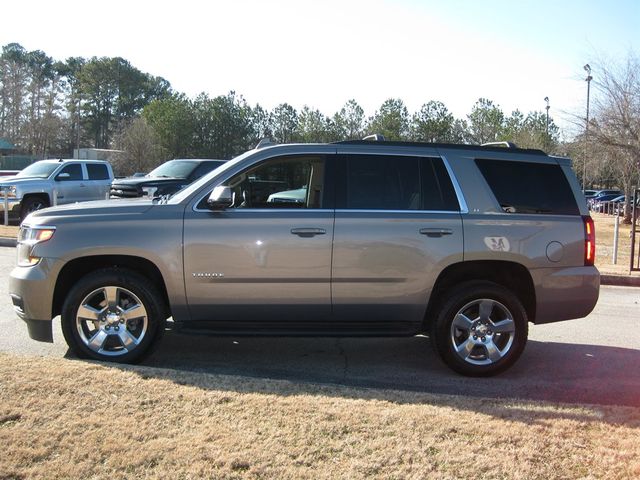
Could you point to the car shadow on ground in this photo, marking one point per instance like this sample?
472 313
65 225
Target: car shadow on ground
547 371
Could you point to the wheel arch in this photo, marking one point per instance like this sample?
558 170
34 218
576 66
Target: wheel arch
513 276
43 195
28 196
77 268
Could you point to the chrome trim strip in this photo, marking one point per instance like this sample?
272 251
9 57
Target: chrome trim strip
415 212
326 210
257 210
456 186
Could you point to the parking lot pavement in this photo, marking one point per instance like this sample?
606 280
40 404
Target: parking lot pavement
592 360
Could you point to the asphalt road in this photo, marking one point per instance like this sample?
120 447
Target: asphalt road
594 360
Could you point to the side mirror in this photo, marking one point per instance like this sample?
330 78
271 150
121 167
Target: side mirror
221 198
63 176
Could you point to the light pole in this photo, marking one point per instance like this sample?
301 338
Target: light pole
587 69
546 140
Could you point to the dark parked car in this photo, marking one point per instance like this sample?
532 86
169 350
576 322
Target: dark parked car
167 179
597 203
601 193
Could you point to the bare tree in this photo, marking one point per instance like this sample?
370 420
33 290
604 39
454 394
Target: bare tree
141 149
616 120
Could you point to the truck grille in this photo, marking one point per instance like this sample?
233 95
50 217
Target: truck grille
125 191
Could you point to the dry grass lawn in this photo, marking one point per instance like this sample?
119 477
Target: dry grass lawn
73 419
604 245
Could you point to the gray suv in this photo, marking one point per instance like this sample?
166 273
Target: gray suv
466 244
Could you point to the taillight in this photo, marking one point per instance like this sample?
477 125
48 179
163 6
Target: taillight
589 241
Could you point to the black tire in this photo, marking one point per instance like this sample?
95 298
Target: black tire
121 316
489 333
31 204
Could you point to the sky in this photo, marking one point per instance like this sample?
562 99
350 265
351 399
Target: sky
323 53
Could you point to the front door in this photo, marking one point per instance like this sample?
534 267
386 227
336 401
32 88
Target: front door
267 258
70 185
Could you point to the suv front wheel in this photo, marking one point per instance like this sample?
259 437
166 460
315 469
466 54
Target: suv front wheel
113 315
480 329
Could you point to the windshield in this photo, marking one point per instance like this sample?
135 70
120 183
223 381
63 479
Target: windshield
174 169
197 185
38 169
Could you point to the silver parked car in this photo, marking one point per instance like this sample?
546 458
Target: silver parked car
352 238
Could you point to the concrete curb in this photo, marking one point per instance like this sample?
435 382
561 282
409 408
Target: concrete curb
620 280
7 242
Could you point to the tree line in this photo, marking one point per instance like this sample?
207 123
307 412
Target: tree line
49 107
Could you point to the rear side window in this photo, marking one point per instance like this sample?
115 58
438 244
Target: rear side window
523 187
97 171
385 182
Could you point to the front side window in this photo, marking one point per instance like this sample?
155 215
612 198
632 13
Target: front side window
284 182
74 170
385 182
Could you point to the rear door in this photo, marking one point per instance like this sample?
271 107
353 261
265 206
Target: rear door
99 181
397 226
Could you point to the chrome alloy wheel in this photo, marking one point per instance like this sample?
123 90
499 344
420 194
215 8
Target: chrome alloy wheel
111 321
482 332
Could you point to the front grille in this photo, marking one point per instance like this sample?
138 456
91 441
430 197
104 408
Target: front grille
125 191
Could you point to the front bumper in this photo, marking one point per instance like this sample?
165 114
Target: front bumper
31 290
12 205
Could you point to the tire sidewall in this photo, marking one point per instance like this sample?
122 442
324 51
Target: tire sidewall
27 206
458 298
117 277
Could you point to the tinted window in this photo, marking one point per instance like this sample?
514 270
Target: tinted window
203 168
283 182
380 182
74 170
174 169
437 189
97 171
522 187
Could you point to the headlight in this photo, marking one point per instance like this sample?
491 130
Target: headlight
10 191
28 238
149 191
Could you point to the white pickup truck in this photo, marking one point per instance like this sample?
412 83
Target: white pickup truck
54 182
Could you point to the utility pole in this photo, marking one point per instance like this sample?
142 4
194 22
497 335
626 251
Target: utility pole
587 69
546 140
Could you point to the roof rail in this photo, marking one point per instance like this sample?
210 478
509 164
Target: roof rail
500 144
376 137
265 142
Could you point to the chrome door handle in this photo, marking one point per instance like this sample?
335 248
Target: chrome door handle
308 232
436 232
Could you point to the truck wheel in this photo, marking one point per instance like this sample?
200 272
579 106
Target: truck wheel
480 330
31 204
113 315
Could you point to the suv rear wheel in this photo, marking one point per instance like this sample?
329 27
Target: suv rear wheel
113 315
480 330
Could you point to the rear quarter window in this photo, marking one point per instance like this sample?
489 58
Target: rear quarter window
531 188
